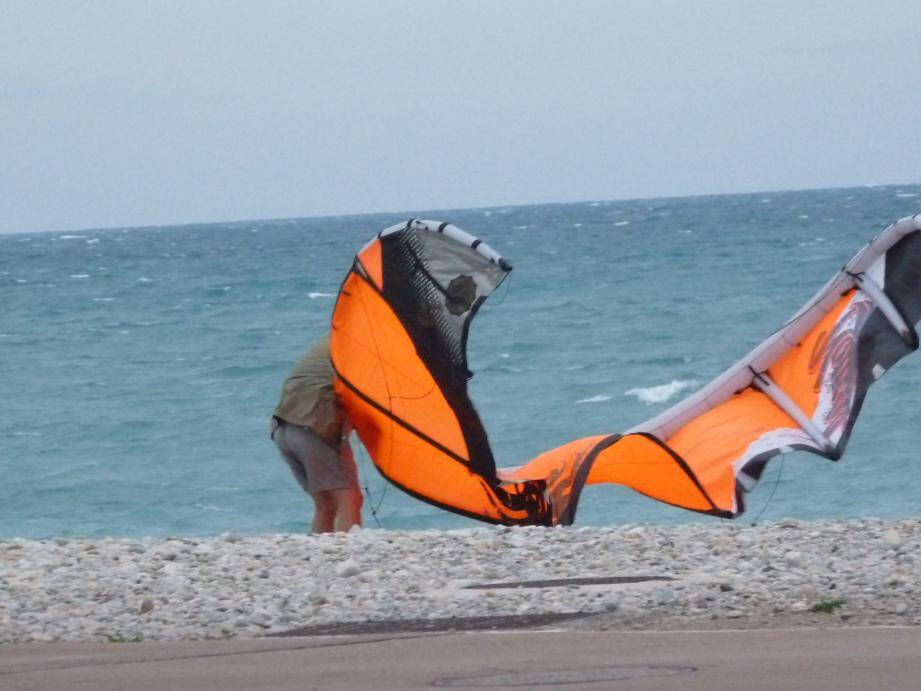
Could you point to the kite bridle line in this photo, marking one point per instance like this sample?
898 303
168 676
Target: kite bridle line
364 485
783 457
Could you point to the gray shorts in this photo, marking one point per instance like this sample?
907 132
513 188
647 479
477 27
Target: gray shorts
316 467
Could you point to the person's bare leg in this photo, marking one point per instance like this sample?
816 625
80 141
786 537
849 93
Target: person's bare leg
348 507
324 515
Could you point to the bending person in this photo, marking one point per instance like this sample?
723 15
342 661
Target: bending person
311 432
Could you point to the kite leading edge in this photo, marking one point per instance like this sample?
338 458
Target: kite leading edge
398 344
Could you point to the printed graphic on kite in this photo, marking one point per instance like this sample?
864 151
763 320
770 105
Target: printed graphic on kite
399 337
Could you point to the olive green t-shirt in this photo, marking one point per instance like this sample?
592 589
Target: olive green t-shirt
307 396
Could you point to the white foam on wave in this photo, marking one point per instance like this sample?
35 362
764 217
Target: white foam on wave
71 237
79 275
595 399
906 195
144 279
210 507
659 394
622 223
314 296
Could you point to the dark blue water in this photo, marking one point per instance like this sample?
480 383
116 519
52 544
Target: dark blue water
138 367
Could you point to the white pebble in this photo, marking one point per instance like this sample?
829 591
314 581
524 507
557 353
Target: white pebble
228 585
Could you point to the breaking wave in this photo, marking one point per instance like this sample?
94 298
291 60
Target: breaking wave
662 393
595 399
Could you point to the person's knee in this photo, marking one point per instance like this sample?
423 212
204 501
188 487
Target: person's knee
350 499
357 496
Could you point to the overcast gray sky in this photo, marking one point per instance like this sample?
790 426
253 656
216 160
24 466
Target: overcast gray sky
142 113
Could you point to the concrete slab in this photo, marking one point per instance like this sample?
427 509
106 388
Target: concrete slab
841 658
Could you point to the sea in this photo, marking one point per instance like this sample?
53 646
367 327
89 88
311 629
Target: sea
139 366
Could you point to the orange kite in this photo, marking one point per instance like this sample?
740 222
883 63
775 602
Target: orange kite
398 344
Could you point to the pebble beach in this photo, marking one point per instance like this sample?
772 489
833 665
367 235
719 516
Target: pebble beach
830 573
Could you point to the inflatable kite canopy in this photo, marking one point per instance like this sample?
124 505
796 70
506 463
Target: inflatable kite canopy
398 346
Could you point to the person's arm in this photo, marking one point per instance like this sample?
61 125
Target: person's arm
345 449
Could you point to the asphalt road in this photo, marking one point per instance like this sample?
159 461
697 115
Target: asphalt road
838 658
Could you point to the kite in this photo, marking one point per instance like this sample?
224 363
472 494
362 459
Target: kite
399 350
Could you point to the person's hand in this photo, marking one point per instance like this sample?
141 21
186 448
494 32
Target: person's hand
345 450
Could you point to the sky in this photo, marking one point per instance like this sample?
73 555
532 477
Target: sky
118 114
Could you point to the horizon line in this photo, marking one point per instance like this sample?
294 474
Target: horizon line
419 213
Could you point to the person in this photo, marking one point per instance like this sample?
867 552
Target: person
311 432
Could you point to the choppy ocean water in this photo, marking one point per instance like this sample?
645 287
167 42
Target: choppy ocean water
138 367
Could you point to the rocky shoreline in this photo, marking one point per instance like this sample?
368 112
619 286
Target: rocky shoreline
727 575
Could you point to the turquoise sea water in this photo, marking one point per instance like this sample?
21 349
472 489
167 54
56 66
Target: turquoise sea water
138 367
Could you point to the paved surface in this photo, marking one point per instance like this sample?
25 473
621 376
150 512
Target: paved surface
843 658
